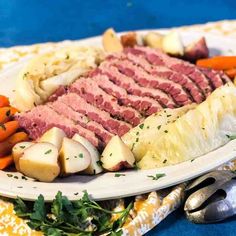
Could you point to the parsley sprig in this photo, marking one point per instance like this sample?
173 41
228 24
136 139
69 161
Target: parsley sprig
62 217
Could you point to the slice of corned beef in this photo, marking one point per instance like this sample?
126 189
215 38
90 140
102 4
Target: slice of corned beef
145 105
79 104
42 118
164 72
59 92
82 120
94 95
157 57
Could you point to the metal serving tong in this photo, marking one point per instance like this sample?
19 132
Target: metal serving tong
212 197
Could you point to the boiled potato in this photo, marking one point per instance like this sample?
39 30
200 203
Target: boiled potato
40 161
94 167
53 136
73 157
117 155
111 42
153 40
18 150
172 44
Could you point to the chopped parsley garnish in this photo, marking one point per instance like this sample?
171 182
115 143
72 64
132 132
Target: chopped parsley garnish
141 126
119 175
48 151
15 177
22 147
3 126
192 160
110 154
136 166
164 161
67 158
148 127
231 137
9 175
158 127
166 131
137 133
168 116
8 113
157 176
23 177
99 163
137 139
81 155
203 128
19 187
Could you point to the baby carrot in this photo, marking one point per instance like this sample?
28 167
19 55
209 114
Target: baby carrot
6 161
6 113
4 101
218 62
7 145
8 129
231 73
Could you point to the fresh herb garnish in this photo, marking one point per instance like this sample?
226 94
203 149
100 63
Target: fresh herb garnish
158 127
9 175
168 116
192 160
81 155
137 133
119 175
141 126
164 161
8 113
137 139
3 126
231 137
110 154
48 151
82 217
157 176
166 131
22 147
99 163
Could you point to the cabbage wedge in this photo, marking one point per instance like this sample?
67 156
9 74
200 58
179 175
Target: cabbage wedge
199 131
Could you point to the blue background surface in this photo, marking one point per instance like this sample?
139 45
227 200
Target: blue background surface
33 21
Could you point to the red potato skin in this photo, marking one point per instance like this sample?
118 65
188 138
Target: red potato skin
119 166
196 50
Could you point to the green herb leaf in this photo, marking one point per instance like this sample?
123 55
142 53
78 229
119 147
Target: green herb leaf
20 208
119 175
39 210
231 137
157 176
48 151
81 155
141 126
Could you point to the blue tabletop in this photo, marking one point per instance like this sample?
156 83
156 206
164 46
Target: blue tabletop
33 21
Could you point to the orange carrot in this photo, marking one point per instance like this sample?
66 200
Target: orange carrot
8 129
7 145
231 73
6 161
6 113
4 101
218 62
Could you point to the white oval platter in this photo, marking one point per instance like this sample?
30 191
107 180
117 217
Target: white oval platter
107 185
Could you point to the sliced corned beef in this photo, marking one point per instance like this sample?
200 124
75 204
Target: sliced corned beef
94 95
42 118
145 105
128 84
93 113
156 57
164 72
146 80
82 120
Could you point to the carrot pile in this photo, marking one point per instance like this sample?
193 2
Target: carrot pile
225 63
9 134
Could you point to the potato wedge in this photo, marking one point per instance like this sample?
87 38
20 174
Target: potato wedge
40 161
117 155
73 157
94 167
153 40
111 42
172 44
18 151
53 136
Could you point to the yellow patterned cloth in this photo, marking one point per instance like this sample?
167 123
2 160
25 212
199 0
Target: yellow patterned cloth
150 209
